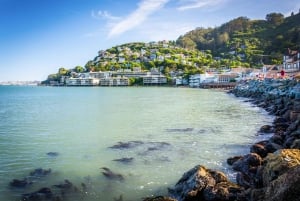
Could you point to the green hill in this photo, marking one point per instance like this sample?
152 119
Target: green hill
248 41
239 42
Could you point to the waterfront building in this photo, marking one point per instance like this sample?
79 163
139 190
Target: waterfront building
154 79
114 81
291 61
224 78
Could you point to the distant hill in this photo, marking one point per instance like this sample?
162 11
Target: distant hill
239 42
250 41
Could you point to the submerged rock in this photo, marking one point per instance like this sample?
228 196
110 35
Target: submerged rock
39 172
112 175
53 154
126 145
124 160
179 129
20 183
42 194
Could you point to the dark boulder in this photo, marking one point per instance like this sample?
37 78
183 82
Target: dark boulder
266 129
259 148
204 184
233 159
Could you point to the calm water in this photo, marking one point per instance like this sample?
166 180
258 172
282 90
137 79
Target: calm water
176 129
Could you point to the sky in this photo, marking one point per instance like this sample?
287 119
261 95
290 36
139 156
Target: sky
37 37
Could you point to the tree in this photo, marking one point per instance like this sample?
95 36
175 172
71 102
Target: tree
79 69
62 71
275 18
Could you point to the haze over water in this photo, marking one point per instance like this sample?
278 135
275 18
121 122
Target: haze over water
176 129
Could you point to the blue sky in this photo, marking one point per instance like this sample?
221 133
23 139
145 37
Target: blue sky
39 36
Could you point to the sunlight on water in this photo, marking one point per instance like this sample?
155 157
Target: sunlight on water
157 133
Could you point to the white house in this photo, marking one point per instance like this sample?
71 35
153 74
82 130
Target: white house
291 61
154 79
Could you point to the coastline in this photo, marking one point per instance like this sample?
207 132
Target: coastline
271 170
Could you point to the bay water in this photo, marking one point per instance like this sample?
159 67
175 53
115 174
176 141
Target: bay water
158 133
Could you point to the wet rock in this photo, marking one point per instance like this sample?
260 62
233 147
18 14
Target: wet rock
266 129
112 175
126 145
232 160
124 160
272 147
159 198
42 194
278 139
296 144
39 172
278 163
53 154
20 183
200 183
259 148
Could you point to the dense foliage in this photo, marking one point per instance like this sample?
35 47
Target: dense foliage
240 42
248 41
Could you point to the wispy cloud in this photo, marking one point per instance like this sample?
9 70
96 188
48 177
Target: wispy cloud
193 4
144 10
103 15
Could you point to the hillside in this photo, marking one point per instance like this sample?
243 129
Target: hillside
240 42
249 41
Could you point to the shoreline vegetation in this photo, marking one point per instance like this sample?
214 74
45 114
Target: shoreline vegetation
271 171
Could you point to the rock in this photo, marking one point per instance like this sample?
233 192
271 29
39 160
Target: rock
66 185
124 160
266 129
126 145
42 194
272 147
232 160
278 139
20 183
159 198
53 154
39 172
284 188
296 144
179 130
204 184
278 163
259 148
112 175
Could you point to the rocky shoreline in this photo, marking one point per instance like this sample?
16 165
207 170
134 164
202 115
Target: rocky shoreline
271 171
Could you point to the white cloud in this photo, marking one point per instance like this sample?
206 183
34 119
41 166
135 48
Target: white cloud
103 15
134 19
193 4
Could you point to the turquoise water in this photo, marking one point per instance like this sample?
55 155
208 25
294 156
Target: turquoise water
176 129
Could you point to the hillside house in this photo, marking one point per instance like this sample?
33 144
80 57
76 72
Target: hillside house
291 61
